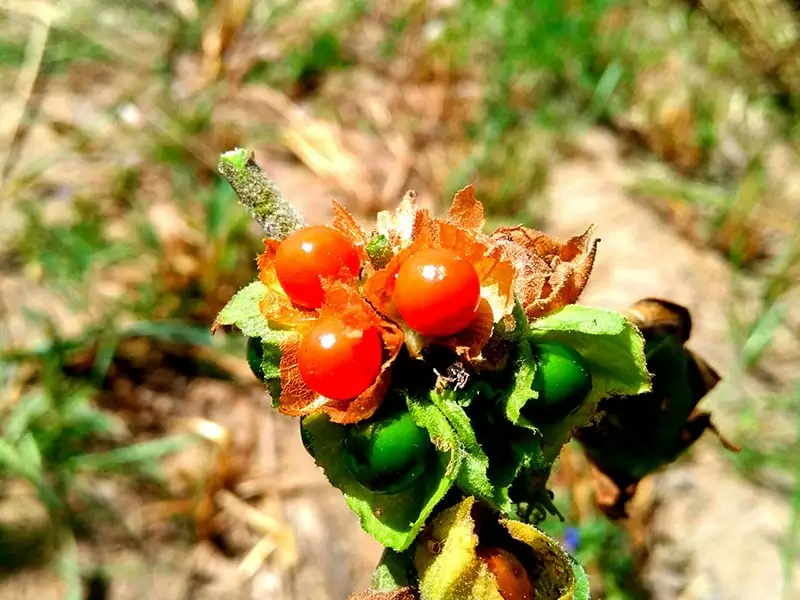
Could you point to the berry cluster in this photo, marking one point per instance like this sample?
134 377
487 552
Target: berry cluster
438 371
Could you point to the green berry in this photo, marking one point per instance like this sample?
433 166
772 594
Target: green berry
389 454
562 381
255 355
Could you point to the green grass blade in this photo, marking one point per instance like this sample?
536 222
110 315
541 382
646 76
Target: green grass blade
171 331
69 567
762 334
29 408
143 454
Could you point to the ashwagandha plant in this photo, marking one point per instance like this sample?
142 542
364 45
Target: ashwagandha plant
437 371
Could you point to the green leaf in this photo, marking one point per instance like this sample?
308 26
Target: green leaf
524 369
10 460
612 347
29 408
69 567
392 519
271 367
29 452
487 434
472 475
176 332
85 420
394 571
450 569
242 312
13 462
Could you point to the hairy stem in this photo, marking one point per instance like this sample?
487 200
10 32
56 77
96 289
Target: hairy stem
259 194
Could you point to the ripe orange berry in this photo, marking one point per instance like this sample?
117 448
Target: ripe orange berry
437 292
513 582
310 254
339 362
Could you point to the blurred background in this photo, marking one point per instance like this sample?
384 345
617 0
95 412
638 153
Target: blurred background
139 459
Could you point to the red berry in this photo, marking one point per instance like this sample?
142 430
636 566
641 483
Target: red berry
310 254
513 582
437 293
339 362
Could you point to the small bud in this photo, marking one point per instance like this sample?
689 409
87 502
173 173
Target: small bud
380 251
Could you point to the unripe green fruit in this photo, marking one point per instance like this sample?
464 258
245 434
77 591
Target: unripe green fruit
389 454
562 380
255 354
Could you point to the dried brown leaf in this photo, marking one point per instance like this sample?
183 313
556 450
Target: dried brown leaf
466 211
471 340
661 317
549 274
344 222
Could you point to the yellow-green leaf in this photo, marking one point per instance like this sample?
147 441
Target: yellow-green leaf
449 567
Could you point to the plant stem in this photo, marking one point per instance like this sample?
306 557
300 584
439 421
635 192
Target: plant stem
259 194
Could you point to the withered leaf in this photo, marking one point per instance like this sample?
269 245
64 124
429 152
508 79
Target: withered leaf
344 222
550 275
654 316
466 211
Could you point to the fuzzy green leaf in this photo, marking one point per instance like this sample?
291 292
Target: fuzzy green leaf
613 349
392 519
510 449
520 392
521 453
242 312
472 476
394 571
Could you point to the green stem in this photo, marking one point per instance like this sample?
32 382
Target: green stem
259 194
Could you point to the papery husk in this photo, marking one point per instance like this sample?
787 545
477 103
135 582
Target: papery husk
275 305
344 223
411 229
466 211
449 567
343 302
549 274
